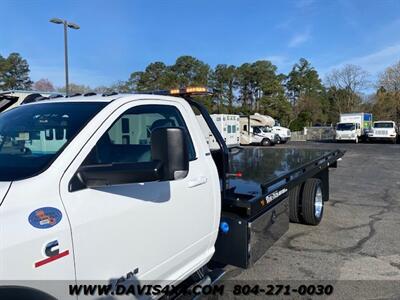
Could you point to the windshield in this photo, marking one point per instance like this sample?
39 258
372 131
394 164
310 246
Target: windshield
266 129
345 126
32 136
383 125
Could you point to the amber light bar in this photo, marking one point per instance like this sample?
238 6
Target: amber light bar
196 90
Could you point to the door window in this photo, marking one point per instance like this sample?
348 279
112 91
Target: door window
128 140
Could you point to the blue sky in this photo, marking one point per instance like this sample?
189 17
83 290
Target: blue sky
118 37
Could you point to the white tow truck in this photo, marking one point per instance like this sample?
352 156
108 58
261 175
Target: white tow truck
134 194
384 131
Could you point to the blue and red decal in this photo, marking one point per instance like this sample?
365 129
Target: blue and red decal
45 217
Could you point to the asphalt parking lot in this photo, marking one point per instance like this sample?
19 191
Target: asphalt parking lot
359 237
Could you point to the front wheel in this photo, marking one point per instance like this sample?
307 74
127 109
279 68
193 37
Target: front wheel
356 141
266 142
279 140
312 206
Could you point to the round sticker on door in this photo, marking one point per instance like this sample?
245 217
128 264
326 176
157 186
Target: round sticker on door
45 217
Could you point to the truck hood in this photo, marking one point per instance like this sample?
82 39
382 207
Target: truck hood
280 127
4 187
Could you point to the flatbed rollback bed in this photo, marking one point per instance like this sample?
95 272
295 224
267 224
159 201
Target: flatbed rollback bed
262 190
256 207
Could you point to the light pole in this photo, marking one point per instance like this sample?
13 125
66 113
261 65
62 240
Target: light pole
66 25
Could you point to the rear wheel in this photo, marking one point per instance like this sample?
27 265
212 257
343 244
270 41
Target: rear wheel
312 205
266 142
295 204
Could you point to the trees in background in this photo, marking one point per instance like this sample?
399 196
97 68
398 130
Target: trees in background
345 86
14 73
75 89
386 103
186 71
297 99
306 95
224 82
43 85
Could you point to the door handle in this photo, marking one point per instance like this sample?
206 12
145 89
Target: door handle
197 181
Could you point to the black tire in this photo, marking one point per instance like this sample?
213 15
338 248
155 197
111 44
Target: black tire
295 204
278 140
394 141
266 142
311 215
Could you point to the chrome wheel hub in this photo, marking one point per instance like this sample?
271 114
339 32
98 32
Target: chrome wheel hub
318 203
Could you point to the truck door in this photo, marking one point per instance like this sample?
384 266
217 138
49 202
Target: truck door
256 135
154 230
358 129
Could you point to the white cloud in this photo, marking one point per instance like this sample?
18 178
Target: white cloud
299 38
375 62
282 62
277 59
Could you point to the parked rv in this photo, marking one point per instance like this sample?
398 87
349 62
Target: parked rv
256 134
384 130
353 127
228 126
283 134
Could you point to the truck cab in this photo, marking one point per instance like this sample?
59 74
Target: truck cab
348 132
62 201
130 192
283 134
384 130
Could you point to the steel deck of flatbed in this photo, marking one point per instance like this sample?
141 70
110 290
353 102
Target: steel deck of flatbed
268 170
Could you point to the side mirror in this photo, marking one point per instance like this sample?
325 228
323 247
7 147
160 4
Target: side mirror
170 161
169 146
